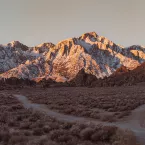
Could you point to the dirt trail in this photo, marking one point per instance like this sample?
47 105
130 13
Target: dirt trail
135 122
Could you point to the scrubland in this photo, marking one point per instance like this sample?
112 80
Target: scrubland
20 126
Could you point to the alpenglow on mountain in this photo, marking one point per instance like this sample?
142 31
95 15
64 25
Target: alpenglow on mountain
61 62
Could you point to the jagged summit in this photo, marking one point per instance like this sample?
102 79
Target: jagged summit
45 45
17 44
96 54
89 34
14 43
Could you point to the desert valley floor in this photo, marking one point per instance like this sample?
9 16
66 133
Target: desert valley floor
73 116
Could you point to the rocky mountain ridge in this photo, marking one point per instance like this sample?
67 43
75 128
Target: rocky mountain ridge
95 54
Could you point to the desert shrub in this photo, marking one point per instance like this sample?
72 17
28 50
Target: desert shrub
75 130
95 115
40 124
15 132
42 141
54 125
96 136
4 135
81 126
86 113
85 102
55 134
86 133
27 132
11 123
5 117
124 137
103 133
35 116
16 107
19 118
17 140
18 124
38 131
25 125
108 118
122 114
67 125
64 138
46 129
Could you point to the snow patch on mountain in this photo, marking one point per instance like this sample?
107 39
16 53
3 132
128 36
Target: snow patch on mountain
96 54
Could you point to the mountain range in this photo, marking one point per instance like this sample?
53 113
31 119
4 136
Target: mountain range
95 54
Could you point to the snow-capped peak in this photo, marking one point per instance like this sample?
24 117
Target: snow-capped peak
89 34
46 45
17 44
14 44
96 54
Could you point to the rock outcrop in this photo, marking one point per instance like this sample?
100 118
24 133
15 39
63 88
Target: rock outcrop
95 54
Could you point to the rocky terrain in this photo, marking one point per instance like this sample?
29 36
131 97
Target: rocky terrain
61 62
123 77
14 54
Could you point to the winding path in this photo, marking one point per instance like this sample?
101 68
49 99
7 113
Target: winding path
135 122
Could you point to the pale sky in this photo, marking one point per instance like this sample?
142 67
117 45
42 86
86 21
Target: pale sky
36 21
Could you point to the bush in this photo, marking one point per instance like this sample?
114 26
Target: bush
27 133
25 125
86 133
124 137
46 129
4 136
54 125
64 138
55 134
108 118
17 140
67 125
75 130
38 131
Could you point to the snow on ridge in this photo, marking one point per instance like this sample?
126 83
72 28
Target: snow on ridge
96 54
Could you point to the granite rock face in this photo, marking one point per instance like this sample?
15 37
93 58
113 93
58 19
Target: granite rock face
95 54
